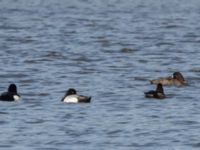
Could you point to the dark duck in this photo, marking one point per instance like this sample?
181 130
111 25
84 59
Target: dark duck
11 94
158 93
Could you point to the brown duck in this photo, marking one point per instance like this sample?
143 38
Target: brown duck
177 79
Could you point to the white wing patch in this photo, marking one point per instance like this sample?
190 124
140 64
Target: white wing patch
71 99
16 97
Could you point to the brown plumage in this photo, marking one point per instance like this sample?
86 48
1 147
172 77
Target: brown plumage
177 79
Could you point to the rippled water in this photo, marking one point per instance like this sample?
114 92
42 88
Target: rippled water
109 50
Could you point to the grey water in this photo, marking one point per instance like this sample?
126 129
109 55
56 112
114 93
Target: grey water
106 49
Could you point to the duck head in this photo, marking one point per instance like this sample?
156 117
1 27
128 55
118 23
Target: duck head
12 88
160 88
71 91
178 76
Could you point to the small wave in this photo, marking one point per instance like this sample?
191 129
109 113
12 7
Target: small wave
128 50
5 113
195 70
196 145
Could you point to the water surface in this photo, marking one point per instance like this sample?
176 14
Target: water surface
106 49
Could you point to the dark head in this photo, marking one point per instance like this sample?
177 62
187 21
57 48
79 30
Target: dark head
71 92
178 76
160 88
12 88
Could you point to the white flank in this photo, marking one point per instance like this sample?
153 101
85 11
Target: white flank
71 99
16 97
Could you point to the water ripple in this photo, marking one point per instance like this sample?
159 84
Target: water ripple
109 50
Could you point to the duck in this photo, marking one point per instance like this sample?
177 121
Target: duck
11 94
177 79
72 97
158 93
